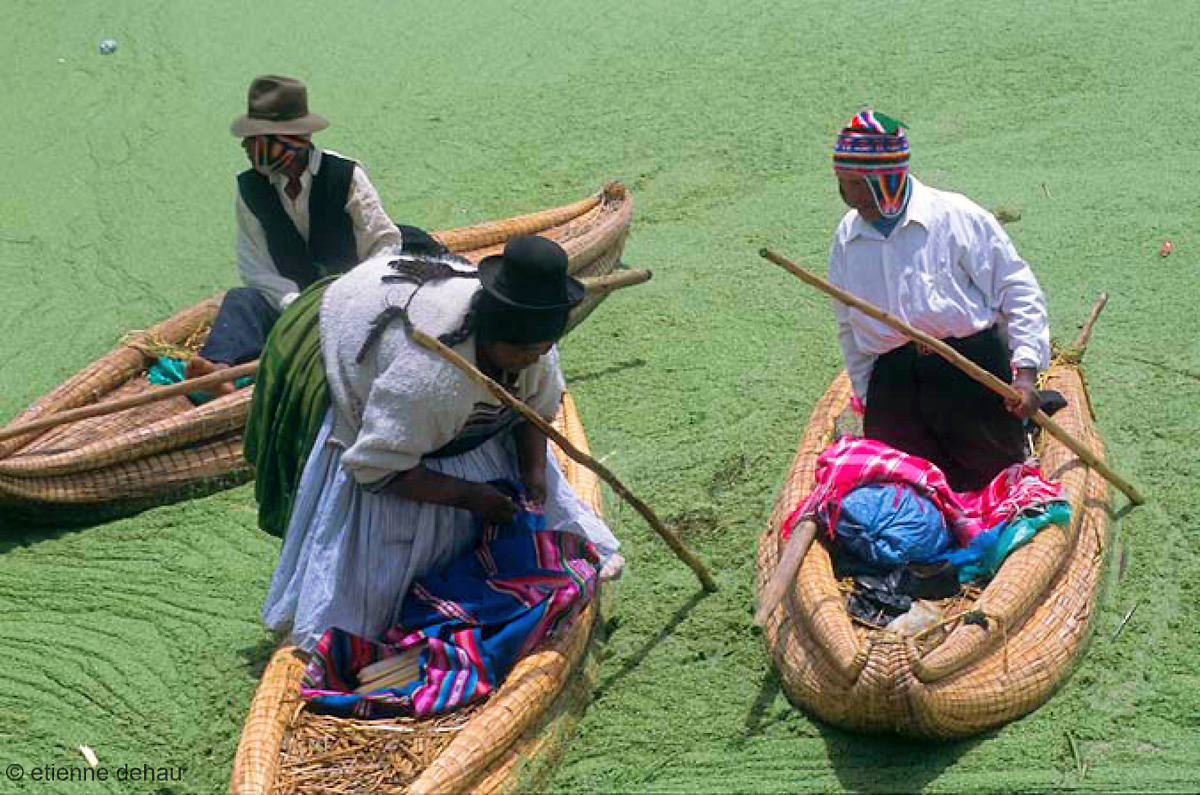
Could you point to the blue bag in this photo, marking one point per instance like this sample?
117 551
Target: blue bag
887 525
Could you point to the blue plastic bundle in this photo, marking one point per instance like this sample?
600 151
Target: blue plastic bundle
887 525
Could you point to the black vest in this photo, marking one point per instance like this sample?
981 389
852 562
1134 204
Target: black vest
331 247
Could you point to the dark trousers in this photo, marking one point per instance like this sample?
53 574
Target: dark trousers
240 329
927 407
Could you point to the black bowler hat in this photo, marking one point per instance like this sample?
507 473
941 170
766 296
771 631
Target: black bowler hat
531 274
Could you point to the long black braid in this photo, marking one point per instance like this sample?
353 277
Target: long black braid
419 269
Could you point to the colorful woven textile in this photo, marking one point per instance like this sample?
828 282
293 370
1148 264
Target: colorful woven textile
271 154
290 401
851 462
876 146
472 621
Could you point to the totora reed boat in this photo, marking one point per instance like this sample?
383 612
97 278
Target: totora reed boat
961 677
506 743
170 449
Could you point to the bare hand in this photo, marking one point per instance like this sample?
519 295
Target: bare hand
1026 384
491 504
535 486
198 366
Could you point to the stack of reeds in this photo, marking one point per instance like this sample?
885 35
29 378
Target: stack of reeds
391 672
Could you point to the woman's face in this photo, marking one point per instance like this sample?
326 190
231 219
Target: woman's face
512 356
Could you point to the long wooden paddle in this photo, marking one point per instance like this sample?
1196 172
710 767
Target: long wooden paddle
966 365
149 396
785 571
593 284
565 445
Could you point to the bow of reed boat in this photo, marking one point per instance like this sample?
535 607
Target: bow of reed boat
962 677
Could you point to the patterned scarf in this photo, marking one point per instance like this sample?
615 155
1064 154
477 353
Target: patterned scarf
273 154
875 146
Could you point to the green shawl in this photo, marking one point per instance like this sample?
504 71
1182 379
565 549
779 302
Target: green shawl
291 397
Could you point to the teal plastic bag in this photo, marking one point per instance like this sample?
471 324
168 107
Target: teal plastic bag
1012 536
169 370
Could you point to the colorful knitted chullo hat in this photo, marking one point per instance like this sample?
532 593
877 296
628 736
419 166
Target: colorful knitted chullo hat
876 146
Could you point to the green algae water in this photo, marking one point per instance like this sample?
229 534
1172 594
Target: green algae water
140 638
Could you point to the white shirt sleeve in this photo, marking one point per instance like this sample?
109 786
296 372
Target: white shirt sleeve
254 259
858 363
374 232
1009 284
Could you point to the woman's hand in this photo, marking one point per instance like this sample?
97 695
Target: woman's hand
491 504
535 485
424 485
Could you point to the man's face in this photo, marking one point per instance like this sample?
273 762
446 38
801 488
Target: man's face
857 194
273 148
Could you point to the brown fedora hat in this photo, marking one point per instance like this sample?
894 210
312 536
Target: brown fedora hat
277 105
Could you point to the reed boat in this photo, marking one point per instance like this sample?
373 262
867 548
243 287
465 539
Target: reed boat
960 677
507 743
171 449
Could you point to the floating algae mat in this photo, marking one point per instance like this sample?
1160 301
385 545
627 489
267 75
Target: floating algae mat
141 638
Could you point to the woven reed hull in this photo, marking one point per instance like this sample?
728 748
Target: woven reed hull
1040 607
510 745
167 450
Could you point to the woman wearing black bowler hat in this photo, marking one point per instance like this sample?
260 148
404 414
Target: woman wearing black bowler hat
406 448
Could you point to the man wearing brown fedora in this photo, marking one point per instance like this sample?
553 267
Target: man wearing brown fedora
302 213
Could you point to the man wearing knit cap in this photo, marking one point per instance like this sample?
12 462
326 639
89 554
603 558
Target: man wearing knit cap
302 213
944 265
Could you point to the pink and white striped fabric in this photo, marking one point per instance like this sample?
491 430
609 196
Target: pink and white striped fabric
851 462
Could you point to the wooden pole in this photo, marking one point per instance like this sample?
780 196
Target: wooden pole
966 365
785 571
573 452
1085 335
615 280
593 284
113 406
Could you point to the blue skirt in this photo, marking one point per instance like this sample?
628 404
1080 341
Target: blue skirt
350 555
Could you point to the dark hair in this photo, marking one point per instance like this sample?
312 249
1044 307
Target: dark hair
468 326
496 321
487 317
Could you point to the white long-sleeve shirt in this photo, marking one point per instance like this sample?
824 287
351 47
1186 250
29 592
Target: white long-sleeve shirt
374 232
948 268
